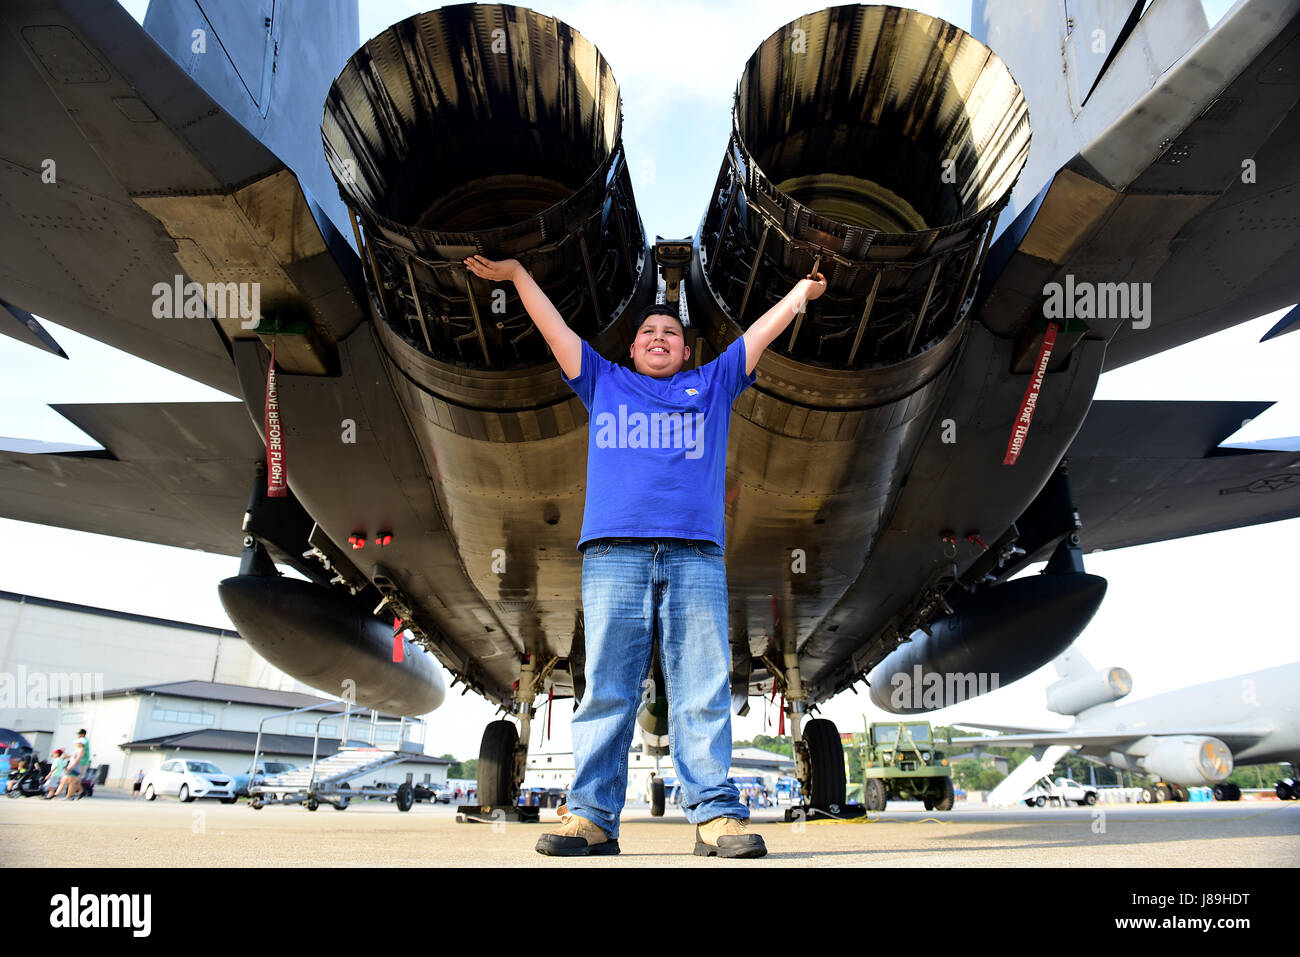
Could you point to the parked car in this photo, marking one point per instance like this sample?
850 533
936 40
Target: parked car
1062 790
433 793
189 780
13 748
446 794
264 770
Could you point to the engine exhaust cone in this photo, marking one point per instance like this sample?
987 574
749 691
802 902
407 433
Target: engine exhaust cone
880 143
491 129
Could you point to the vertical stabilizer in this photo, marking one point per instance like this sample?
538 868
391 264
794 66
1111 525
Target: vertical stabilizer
1082 64
1071 664
270 66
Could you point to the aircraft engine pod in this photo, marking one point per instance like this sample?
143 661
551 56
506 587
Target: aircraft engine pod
993 638
486 129
325 641
1073 695
1189 760
882 143
877 144
495 130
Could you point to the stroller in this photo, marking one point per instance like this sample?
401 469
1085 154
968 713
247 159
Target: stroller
26 779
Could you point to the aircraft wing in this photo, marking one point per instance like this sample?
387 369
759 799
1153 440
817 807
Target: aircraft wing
1172 191
1235 736
122 173
171 474
1073 739
1151 471
1004 729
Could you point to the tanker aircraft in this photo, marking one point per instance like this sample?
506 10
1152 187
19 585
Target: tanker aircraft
922 432
1190 737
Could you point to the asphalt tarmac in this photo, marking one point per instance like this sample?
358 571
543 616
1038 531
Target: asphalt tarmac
110 830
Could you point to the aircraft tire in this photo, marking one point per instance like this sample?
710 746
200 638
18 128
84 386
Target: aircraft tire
312 803
657 797
496 757
826 755
405 796
343 802
1148 795
1162 793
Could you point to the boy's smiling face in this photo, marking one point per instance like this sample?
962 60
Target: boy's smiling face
660 349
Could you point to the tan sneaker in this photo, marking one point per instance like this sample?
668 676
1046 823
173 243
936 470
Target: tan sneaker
575 837
727 837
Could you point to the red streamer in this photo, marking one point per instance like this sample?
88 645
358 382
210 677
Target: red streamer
1020 431
276 475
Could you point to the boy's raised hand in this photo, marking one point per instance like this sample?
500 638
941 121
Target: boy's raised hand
496 271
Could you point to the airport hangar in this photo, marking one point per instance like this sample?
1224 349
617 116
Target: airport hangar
149 689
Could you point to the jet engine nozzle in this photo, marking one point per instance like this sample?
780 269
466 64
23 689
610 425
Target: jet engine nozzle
879 144
1073 695
495 130
1189 760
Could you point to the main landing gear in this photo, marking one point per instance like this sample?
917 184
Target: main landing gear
503 761
818 757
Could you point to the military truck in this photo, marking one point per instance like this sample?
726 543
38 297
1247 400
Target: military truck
900 760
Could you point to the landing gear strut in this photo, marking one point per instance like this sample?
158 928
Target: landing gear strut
503 760
818 754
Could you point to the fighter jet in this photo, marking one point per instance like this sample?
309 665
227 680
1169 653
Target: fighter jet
246 195
1191 737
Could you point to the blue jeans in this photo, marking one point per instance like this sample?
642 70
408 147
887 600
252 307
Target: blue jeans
632 591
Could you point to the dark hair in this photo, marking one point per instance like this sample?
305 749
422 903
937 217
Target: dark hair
82 732
659 309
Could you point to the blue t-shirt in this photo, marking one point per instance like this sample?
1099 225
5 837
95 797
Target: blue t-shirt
657 448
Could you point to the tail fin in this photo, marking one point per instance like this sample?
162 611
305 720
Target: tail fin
1064 55
1072 664
269 65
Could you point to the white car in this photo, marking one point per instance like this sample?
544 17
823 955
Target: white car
1062 790
189 780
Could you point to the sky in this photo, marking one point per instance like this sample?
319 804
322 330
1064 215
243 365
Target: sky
1176 613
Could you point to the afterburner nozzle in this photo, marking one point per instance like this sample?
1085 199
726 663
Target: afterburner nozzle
878 143
486 129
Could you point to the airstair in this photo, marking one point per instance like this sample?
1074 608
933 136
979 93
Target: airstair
326 780
1025 775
